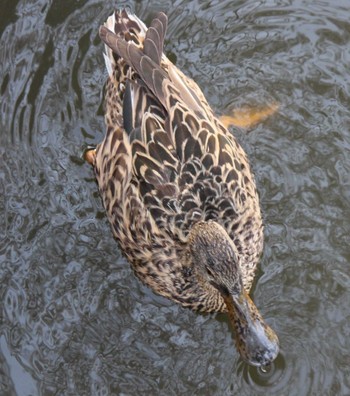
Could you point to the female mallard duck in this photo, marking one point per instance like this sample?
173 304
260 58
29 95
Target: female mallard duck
177 187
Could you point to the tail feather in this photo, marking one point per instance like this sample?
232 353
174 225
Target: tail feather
154 40
127 26
144 61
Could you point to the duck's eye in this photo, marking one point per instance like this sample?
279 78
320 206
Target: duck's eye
209 272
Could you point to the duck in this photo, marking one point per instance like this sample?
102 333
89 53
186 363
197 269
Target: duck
177 187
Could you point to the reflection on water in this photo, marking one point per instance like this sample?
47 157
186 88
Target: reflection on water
74 320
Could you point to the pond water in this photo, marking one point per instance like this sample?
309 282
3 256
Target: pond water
74 320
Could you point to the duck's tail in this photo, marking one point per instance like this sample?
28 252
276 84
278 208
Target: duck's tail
135 62
126 26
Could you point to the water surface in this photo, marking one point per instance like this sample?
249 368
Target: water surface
74 320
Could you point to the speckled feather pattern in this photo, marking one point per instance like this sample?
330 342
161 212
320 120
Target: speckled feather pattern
167 163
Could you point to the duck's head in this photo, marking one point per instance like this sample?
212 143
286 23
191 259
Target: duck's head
215 261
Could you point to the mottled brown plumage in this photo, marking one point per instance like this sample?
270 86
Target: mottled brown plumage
177 187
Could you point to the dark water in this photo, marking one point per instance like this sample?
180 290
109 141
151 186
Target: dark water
74 320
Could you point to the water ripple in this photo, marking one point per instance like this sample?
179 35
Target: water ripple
74 319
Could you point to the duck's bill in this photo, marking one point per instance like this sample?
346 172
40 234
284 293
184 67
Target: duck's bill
256 342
